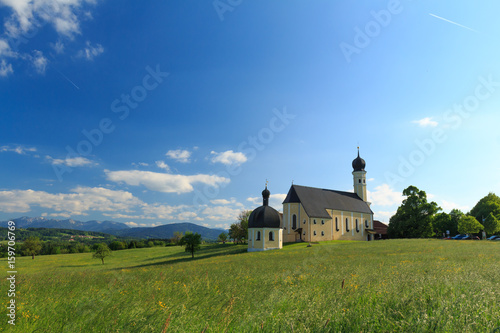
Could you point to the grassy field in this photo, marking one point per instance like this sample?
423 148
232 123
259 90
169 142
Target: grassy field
383 286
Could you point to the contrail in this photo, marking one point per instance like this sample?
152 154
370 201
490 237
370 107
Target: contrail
64 76
463 26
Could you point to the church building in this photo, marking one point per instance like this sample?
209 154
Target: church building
314 214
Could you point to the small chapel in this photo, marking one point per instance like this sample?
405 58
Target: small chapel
314 214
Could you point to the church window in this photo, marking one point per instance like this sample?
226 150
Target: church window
359 181
366 224
294 222
322 233
322 221
314 221
304 221
315 233
357 226
271 236
364 181
258 235
337 223
346 224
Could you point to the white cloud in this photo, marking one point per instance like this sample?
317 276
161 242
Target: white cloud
225 202
384 195
40 62
162 165
162 182
275 201
58 47
179 155
383 216
448 206
221 213
228 157
426 122
90 52
17 149
5 68
71 162
63 15
80 201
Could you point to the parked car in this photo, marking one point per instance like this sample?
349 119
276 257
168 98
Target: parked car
459 236
470 237
494 238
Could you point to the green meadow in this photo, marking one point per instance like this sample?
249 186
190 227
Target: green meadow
382 286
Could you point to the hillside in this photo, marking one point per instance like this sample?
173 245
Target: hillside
167 231
384 286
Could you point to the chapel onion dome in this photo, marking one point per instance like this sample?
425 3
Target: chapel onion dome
264 216
358 164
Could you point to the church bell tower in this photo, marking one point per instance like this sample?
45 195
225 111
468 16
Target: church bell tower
359 175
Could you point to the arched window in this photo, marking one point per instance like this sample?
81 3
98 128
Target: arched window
337 223
315 233
364 181
366 224
322 233
258 235
346 224
360 181
294 222
357 226
271 236
304 221
322 221
314 221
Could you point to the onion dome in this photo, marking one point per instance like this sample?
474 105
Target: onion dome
264 216
358 164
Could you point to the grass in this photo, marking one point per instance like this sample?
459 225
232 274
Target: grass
383 286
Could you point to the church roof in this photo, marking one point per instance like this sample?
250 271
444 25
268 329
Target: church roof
316 201
265 216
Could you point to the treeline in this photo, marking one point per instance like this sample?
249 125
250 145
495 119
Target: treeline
48 234
418 218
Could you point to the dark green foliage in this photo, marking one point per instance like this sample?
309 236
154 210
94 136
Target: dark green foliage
101 252
443 222
192 242
239 230
485 206
32 246
223 237
469 225
413 218
491 224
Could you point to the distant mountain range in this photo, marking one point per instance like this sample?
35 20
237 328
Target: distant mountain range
116 228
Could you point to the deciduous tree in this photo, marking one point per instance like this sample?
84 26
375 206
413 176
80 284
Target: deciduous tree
485 206
491 224
413 218
223 237
192 242
101 252
32 246
469 225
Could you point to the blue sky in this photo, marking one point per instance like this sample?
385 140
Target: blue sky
156 112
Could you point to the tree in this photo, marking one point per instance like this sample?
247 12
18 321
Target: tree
32 246
491 224
223 237
192 242
101 252
485 206
413 218
441 223
469 225
239 231
176 238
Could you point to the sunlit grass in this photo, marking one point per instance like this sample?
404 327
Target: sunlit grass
388 286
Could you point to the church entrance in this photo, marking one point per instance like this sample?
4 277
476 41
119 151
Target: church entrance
298 235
